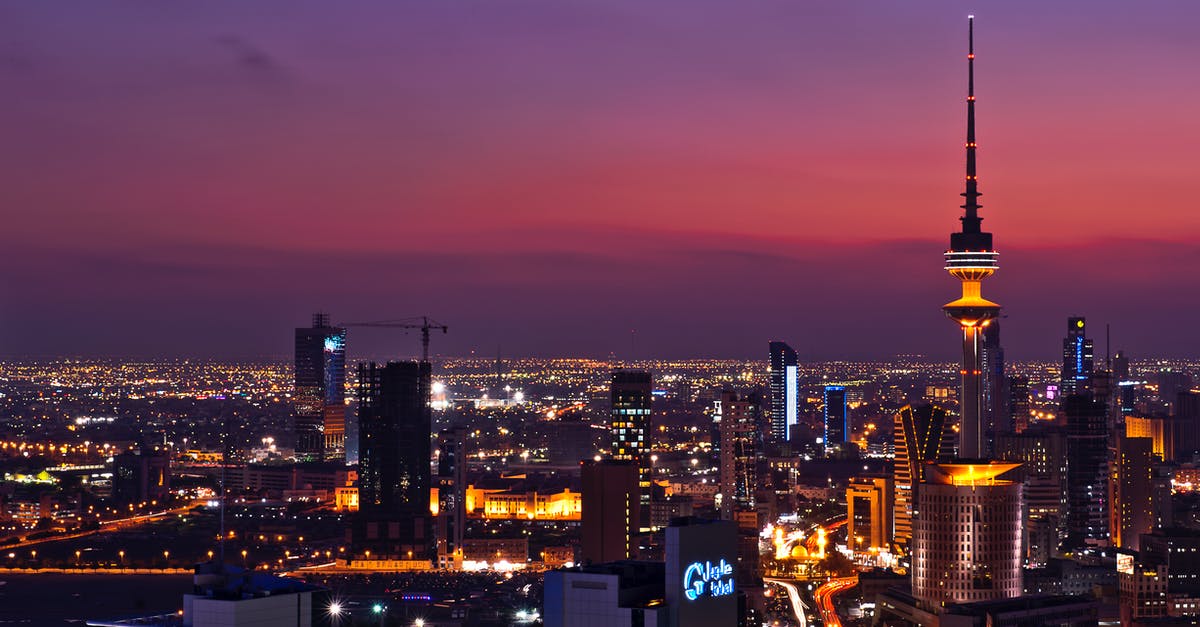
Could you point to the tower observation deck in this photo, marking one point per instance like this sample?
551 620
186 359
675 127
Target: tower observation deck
971 259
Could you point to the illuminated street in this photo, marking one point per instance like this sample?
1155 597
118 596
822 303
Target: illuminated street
824 597
793 596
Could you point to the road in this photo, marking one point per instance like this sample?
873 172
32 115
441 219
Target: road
824 597
108 526
794 597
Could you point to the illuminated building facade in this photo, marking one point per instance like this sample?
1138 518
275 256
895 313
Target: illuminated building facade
1078 358
741 449
971 259
394 453
783 381
629 423
967 538
869 502
921 434
320 390
837 421
1141 492
1087 471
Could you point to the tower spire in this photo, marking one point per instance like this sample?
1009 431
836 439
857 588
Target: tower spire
970 219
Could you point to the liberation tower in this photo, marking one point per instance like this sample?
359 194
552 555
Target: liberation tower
971 259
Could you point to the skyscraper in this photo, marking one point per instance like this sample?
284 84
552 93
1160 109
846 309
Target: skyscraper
1087 471
869 511
971 259
782 375
630 422
394 460
837 424
1078 360
320 390
921 435
450 519
741 448
1138 492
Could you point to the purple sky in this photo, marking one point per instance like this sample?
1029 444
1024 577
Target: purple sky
195 179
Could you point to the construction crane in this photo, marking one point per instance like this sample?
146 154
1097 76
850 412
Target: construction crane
424 323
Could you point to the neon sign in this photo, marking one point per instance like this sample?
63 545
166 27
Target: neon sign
715 580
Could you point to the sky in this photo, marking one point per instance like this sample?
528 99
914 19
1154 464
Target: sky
591 178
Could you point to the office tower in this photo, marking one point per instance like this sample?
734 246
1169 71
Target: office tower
921 435
320 390
971 259
394 460
1138 492
1041 451
630 422
967 538
782 377
1120 365
1078 361
1087 471
611 510
837 424
869 502
701 586
740 452
1018 402
995 417
450 518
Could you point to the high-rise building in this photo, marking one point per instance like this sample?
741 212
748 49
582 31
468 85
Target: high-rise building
869 511
921 434
967 538
837 422
1087 471
971 259
450 518
783 381
1138 492
741 450
611 510
1078 360
1041 451
394 460
996 418
320 390
629 424
1018 402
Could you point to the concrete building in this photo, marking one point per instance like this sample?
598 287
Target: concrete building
869 502
611 510
967 538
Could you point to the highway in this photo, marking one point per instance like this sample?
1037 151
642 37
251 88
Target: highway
794 597
824 597
108 526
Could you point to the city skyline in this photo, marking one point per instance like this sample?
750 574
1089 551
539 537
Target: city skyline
665 169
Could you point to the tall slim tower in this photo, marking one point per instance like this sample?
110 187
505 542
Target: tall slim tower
966 527
782 376
1078 359
320 390
971 259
